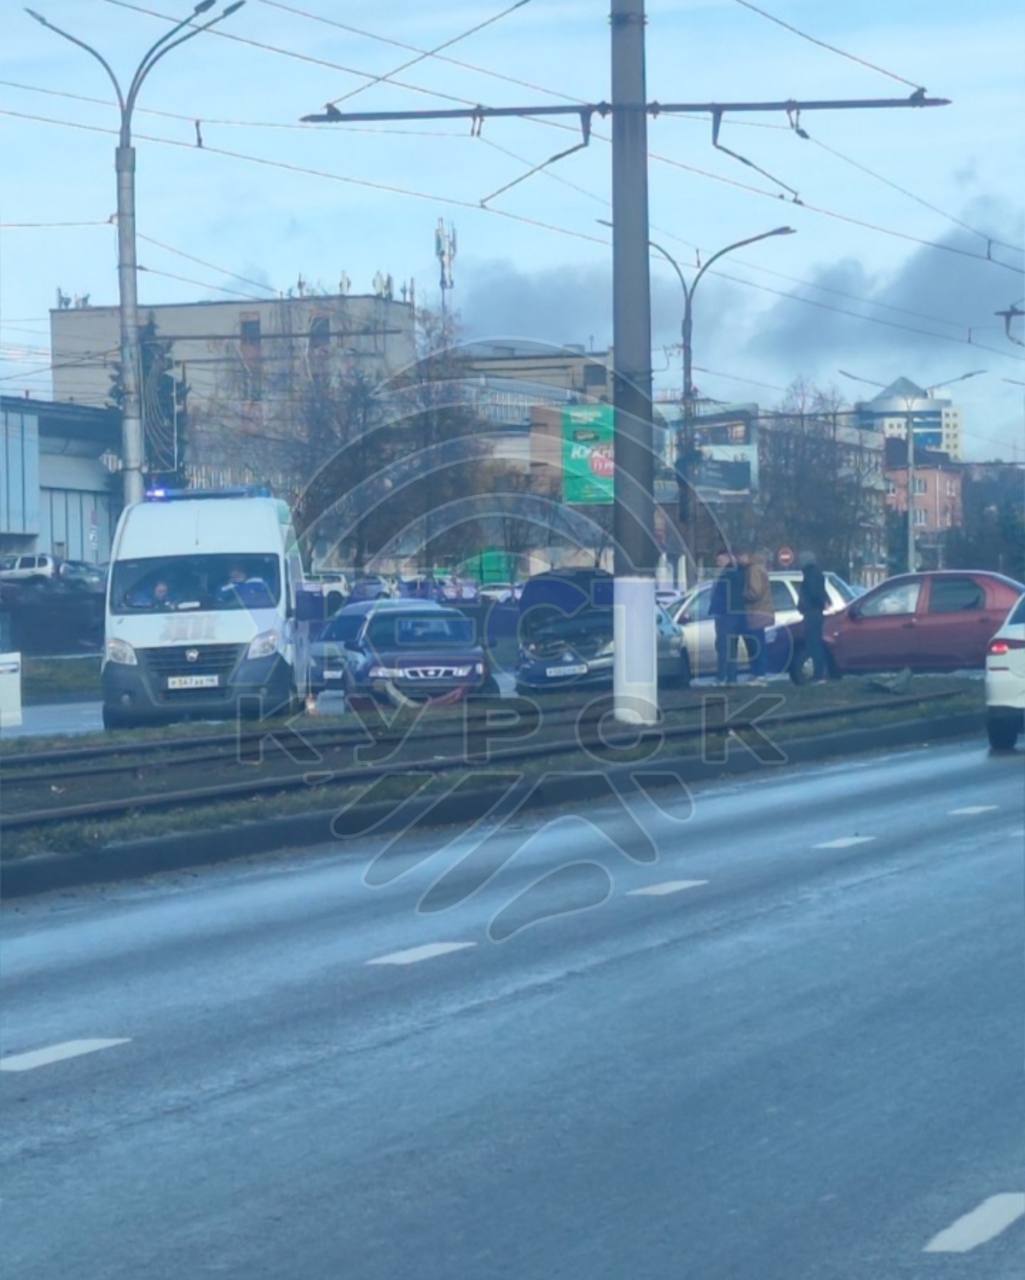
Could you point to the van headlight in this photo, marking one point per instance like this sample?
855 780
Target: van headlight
263 645
121 651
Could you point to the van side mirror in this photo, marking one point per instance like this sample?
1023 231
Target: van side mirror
309 606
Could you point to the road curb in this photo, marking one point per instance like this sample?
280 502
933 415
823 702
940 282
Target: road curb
136 858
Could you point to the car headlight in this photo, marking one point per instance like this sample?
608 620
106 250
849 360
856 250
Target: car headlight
770 634
479 668
384 673
121 651
606 651
263 645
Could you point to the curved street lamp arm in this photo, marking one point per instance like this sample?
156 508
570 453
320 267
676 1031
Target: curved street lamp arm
157 51
675 266
87 47
739 244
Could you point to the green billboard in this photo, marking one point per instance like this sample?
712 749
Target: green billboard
587 453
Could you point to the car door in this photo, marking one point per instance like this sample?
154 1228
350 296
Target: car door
879 632
666 632
956 625
698 631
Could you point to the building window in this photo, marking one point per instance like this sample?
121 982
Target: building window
320 333
921 517
891 488
920 486
249 333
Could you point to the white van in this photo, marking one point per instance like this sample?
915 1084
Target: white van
202 608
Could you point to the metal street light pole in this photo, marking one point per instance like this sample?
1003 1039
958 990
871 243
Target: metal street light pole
687 337
909 428
132 436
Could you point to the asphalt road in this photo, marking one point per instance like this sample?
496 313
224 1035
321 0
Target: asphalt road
775 1035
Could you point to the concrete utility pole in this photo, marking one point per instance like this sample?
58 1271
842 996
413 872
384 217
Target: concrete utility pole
909 427
635 671
133 445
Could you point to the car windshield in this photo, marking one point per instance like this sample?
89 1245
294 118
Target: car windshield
207 582
844 589
419 630
342 629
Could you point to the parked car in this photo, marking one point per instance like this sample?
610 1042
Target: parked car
28 568
415 652
1005 681
498 592
329 654
691 615
371 586
940 621
566 633
82 574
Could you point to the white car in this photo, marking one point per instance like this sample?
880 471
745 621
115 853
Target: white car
691 615
1005 681
27 568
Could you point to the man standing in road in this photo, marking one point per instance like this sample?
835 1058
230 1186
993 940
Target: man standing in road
760 612
812 601
725 609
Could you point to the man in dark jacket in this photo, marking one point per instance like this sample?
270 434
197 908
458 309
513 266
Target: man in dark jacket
722 609
812 601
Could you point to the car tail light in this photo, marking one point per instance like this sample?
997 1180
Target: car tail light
1000 647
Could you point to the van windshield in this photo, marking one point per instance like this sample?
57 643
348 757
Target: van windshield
159 584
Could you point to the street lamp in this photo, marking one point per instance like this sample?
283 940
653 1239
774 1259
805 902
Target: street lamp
909 428
133 445
687 325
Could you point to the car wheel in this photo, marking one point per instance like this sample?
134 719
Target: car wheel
1003 732
114 718
801 665
679 676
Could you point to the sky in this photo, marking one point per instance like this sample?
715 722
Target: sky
901 296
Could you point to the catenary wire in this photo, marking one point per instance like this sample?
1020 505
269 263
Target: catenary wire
467 204
774 195
386 77
852 57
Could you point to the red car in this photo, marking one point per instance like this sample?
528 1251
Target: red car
939 621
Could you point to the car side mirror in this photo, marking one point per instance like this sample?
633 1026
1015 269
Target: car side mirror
352 645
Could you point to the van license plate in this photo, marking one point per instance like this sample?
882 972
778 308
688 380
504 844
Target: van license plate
579 669
193 682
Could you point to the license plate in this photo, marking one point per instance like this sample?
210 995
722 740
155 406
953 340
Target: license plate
578 669
193 682
333 675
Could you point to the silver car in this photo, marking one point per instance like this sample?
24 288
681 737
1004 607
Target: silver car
691 615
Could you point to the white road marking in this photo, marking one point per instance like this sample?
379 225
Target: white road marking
667 886
985 1222
844 842
413 955
971 809
55 1053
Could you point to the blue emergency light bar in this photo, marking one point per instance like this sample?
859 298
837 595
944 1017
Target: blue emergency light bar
188 495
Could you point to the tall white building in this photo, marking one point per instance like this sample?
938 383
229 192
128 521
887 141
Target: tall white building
936 419
245 365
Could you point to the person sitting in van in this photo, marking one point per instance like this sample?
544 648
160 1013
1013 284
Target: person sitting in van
155 594
244 589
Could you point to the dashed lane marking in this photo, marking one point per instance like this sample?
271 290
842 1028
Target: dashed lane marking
970 810
413 955
55 1053
666 887
844 842
982 1224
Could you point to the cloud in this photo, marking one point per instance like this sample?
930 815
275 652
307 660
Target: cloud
572 304
946 292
